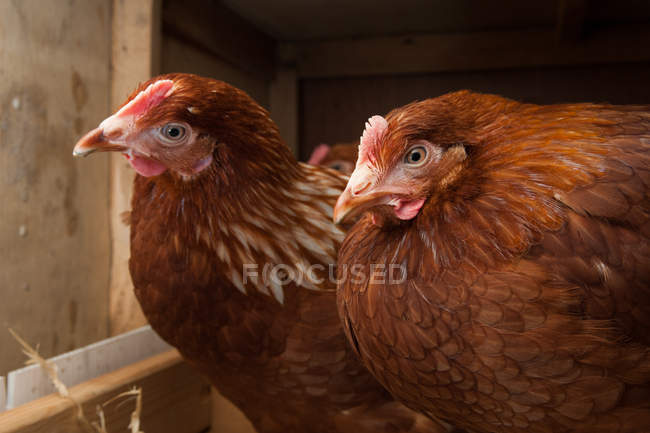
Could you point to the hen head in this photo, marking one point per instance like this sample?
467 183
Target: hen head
183 124
413 155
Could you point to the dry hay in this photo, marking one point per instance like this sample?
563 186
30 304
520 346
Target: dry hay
33 357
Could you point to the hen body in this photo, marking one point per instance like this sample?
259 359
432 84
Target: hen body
274 347
526 302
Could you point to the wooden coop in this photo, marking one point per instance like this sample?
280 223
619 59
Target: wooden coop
320 67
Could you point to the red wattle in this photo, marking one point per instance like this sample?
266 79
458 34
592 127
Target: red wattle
146 167
408 209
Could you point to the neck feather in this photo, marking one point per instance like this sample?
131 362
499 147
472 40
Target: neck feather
251 226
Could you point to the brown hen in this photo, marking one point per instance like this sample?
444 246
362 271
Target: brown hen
340 156
218 203
519 242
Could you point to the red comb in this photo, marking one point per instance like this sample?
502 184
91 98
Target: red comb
319 154
369 144
147 99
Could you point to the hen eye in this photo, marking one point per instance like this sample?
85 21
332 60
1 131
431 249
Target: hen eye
416 156
172 133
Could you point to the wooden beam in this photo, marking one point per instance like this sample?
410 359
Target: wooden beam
470 51
54 242
174 399
31 382
3 394
219 31
226 417
284 105
571 17
135 58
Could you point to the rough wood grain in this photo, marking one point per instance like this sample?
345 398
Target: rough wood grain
136 57
175 399
54 247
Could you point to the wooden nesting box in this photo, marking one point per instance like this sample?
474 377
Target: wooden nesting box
174 397
321 68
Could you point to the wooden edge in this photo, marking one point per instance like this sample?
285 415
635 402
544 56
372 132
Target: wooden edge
284 106
571 15
227 418
3 394
31 382
175 399
213 28
135 52
411 54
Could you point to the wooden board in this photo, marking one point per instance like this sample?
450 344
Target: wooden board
571 16
215 29
227 418
466 52
284 105
31 382
54 246
3 394
175 399
334 110
181 56
135 58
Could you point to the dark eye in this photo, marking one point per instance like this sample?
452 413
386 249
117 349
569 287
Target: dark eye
416 156
172 133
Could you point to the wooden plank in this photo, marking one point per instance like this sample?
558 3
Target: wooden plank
219 31
181 57
284 105
135 58
54 246
227 418
31 382
175 399
571 17
3 394
470 51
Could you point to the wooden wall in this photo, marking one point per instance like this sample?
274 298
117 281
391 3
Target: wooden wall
54 242
181 56
135 57
335 109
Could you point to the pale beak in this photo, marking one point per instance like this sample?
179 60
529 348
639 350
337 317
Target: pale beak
358 196
95 141
350 205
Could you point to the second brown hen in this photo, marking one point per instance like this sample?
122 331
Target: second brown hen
521 238
340 156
